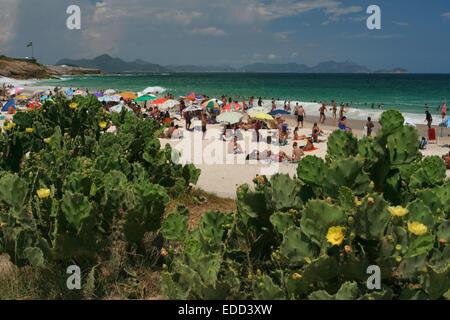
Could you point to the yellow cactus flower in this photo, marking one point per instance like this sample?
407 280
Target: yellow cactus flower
358 202
9 126
296 276
336 235
47 140
73 106
103 124
164 252
417 228
398 211
29 130
43 193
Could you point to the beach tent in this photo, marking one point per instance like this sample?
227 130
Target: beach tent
9 104
110 92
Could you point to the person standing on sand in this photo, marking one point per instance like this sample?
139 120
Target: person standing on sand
342 111
300 113
428 118
444 111
369 126
334 109
322 111
204 124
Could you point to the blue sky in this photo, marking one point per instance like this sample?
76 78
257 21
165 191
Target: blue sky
415 34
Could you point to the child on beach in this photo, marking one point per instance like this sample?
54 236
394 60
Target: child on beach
369 126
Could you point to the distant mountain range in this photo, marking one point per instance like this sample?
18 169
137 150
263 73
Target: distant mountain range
108 64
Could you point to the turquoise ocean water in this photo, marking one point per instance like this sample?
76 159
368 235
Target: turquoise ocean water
405 92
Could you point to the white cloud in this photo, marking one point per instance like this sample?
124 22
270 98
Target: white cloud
7 21
446 15
208 31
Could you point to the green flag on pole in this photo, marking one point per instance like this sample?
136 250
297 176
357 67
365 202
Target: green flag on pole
30 44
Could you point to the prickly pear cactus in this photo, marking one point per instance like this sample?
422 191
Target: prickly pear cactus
341 144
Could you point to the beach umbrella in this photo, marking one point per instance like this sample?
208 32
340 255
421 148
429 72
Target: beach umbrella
128 95
279 113
38 92
169 104
193 108
232 107
159 101
110 92
230 117
191 96
43 98
21 97
109 99
257 110
34 105
79 93
156 90
263 116
145 98
211 105
15 91
98 94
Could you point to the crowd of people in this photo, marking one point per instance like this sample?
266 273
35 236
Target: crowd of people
282 137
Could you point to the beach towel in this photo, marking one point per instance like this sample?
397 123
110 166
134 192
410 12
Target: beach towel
432 134
10 103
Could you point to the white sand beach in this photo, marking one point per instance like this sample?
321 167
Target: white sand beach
223 179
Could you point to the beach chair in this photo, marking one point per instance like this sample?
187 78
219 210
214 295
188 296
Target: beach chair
432 137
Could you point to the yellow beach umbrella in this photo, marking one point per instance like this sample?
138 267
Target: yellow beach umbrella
263 116
22 97
128 95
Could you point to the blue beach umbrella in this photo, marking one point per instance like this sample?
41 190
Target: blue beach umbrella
279 113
